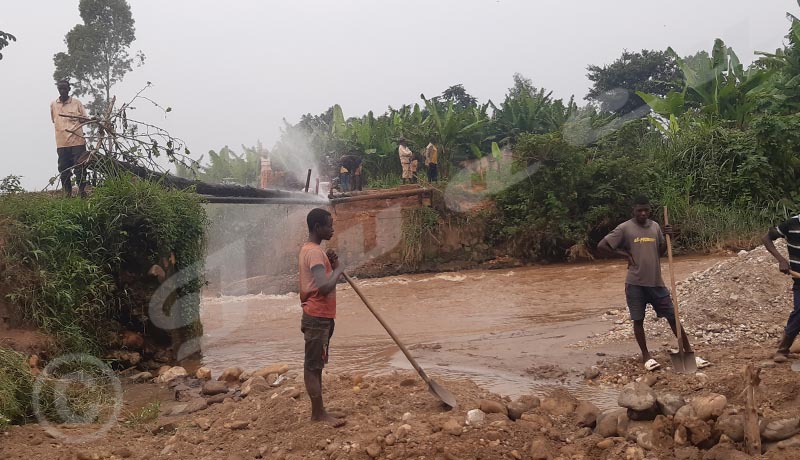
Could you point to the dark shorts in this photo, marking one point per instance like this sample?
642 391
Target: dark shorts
639 296
69 156
317 333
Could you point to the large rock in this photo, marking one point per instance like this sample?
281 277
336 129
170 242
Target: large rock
644 415
637 396
230 374
493 407
709 406
687 453
211 388
669 403
586 414
731 426
273 369
171 374
476 417
780 429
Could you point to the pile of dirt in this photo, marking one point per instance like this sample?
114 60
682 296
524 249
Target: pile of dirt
394 417
742 299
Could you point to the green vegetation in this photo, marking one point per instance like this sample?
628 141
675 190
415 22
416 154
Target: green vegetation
146 414
418 225
16 386
79 267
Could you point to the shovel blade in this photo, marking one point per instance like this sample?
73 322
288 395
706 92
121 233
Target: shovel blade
441 393
683 363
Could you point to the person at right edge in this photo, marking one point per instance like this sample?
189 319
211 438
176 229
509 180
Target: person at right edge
319 273
789 230
641 241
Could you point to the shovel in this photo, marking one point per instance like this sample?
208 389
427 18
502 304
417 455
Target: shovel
437 390
683 361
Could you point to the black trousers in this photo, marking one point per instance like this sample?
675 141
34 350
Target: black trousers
68 157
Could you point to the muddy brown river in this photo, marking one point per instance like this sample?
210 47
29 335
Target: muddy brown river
488 326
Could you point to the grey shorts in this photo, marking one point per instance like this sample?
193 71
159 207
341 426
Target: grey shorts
638 297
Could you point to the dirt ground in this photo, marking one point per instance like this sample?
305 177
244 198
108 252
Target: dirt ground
495 336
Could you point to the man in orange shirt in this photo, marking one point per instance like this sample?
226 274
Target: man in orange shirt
319 273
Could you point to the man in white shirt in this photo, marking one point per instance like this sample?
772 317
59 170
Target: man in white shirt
405 159
70 143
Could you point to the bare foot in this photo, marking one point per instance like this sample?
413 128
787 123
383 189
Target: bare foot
330 420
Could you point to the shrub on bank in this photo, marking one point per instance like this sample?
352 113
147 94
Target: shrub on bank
77 269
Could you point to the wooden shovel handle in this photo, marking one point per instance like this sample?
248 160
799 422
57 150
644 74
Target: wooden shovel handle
388 329
678 325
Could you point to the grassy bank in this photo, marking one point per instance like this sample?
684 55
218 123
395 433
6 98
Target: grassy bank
78 269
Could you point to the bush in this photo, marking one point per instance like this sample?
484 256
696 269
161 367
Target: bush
76 266
16 383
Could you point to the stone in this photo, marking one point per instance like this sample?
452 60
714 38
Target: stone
539 421
408 382
607 422
541 449
476 417
122 452
402 431
204 423
529 400
230 374
662 432
605 444
245 376
452 427
586 414
516 455
681 436
194 405
791 443
211 388
254 385
142 377
685 413
709 406
725 452
699 433
687 453
643 415
493 407
648 379
203 373
237 425
795 348
132 340
217 399
731 426
637 396
559 404
634 453
591 373
669 403
278 369
780 429
373 450
390 439
171 374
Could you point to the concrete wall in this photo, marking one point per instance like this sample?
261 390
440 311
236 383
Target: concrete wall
253 248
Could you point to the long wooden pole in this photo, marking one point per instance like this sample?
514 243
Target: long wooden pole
678 324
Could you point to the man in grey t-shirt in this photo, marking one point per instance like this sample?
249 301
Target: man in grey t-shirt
641 241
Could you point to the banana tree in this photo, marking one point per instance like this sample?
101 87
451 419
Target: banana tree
716 85
452 129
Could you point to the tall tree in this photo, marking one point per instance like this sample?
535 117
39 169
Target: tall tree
615 85
4 40
97 51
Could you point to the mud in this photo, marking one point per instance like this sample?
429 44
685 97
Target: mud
501 328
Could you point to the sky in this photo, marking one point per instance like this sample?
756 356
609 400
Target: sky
232 71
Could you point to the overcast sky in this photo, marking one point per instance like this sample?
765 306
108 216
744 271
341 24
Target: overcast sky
231 70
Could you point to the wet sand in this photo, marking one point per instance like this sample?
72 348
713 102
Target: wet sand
507 330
